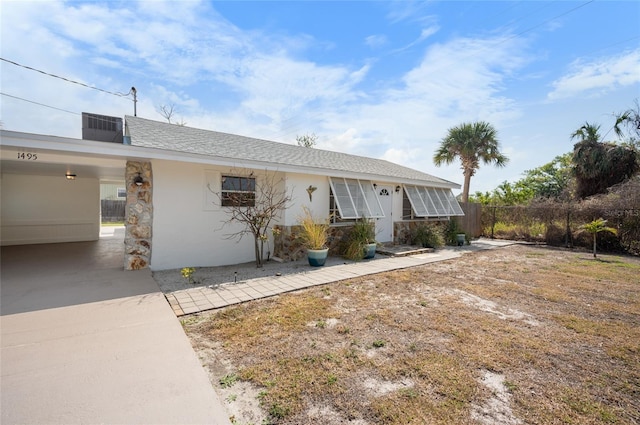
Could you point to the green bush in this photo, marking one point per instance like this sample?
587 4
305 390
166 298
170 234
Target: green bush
427 235
451 232
361 234
534 231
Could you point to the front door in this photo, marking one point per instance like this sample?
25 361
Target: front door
384 225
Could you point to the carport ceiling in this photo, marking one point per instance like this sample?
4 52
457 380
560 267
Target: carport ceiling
59 170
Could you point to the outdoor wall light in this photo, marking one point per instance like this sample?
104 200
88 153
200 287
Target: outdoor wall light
138 180
70 176
398 189
375 186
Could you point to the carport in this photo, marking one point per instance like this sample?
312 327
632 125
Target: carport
51 187
84 341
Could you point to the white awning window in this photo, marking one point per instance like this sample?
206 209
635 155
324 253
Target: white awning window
356 198
432 202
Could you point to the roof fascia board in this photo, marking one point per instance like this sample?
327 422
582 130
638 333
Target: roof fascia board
69 145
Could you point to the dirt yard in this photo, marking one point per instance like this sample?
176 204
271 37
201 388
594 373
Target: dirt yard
516 335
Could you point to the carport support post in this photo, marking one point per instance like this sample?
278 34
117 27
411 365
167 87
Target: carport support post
138 215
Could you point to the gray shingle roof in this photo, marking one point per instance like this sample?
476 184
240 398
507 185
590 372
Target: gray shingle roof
171 137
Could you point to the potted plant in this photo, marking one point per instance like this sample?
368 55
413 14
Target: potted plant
313 234
361 242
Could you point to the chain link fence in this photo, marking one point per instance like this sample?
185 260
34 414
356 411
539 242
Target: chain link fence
561 223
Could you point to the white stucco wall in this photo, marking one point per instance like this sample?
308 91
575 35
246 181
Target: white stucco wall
49 209
189 224
319 203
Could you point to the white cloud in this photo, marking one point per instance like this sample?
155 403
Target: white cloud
424 34
376 41
407 10
598 77
253 83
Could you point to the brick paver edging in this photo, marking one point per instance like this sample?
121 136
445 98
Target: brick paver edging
195 300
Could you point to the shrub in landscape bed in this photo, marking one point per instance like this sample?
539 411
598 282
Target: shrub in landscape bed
451 232
555 235
361 234
427 235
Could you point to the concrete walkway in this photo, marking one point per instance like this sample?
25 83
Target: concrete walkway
194 300
84 342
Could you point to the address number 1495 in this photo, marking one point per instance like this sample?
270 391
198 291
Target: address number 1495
28 156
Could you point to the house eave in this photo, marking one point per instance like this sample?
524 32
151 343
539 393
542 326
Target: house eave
20 140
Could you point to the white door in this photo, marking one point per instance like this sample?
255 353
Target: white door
384 226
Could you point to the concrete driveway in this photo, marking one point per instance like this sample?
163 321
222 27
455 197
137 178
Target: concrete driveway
84 341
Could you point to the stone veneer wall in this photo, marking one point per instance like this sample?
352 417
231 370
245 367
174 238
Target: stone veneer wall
404 229
138 216
288 247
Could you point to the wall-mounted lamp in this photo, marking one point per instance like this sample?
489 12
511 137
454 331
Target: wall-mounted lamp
398 188
138 180
375 186
70 176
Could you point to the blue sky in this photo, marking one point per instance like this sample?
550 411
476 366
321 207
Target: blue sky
380 79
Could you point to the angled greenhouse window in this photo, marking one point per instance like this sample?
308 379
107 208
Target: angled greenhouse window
457 209
419 208
431 206
437 200
346 207
371 197
355 198
432 202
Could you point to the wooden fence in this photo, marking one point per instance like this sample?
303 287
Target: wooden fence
112 210
471 223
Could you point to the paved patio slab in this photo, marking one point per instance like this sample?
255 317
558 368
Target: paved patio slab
85 342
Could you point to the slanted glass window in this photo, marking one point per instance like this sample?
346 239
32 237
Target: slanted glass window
434 194
355 198
453 202
417 202
432 202
238 191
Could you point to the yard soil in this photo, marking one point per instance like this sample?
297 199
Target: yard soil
515 335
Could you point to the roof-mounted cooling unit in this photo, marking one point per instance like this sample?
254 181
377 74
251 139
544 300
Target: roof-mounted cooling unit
101 128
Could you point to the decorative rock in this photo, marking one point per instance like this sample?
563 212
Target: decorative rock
140 232
136 263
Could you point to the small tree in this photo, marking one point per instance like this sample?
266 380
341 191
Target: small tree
259 213
307 141
595 227
168 111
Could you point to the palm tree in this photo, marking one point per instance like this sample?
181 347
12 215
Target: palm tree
600 165
595 227
630 120
587 133
472 143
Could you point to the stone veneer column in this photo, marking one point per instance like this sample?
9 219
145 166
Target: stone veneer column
138 216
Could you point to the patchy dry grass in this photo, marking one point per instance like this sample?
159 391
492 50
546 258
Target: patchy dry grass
518 335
